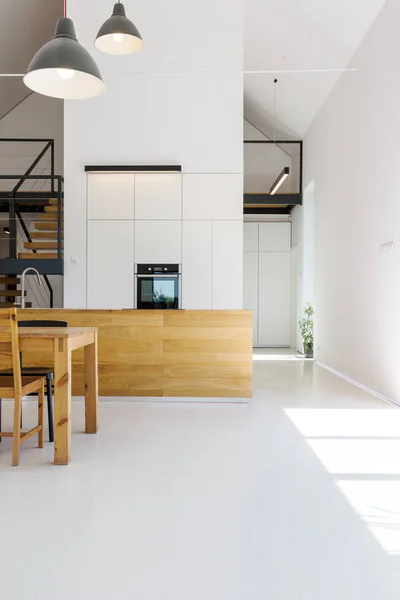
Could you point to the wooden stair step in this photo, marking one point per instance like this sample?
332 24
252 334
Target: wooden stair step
10 280
53 201
46 226
11 304
10 293
41 245
47 216
38 256
43 235
51 209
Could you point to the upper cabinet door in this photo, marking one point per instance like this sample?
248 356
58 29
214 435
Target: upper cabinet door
110 195
274 237
250 237
213 197
158 196
158 241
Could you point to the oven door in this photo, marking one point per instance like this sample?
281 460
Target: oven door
157 292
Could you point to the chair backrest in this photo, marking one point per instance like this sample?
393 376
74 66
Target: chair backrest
46 323
9 343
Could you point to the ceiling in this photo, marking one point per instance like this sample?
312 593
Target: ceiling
25 25
298 35
278 35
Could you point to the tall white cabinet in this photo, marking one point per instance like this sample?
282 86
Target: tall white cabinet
267 281
192 219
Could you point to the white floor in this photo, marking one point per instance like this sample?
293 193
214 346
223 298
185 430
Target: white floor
295 496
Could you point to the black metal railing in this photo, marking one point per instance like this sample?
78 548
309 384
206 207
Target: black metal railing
29 239
29 193
13 206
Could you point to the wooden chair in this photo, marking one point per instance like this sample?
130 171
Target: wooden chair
47 372
15 386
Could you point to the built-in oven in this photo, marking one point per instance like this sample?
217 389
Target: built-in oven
158 286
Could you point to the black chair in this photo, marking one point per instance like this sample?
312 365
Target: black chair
47 372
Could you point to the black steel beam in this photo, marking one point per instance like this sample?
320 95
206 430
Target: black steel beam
45 266
273 142
266 199
129 168
28 196
265 210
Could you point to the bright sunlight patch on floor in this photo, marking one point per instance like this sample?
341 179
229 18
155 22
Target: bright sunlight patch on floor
361 449
378 504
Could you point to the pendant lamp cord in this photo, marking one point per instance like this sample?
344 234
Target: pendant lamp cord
275 82
65 8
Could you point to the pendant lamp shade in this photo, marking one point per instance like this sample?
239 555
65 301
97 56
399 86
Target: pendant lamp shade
118 35
63 68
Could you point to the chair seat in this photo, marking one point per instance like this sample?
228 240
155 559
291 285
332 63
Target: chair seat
29 385
37 371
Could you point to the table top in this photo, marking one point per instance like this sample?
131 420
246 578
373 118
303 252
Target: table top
51 332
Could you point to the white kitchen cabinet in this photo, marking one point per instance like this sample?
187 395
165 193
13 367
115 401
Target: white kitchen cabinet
158 242
158 196
274 299
228 264
197 265
110 195
250 289
274 237
250 237
213 197
110 264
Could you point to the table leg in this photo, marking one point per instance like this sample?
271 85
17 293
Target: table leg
62 401
91 387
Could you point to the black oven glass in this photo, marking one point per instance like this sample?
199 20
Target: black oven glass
157 292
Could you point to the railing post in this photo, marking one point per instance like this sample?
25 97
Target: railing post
13 229
52 166
59 218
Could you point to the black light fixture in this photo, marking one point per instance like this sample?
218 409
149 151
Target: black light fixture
277 184
286 171
63 68
7 230
118 35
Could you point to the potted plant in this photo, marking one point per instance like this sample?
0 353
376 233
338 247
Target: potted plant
307 330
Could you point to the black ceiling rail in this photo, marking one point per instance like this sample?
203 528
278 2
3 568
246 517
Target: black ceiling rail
133 168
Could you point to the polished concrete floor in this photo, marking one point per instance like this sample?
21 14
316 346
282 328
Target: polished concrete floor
294 496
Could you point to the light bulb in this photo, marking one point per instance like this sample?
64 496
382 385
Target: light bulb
118 37
66 73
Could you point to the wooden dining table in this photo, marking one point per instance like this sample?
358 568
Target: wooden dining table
62 341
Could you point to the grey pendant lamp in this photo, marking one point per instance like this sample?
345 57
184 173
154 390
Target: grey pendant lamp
118 35
63 68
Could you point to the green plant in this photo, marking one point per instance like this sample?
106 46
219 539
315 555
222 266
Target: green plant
307 328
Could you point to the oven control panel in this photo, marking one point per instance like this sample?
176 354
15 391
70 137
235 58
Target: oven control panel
157 269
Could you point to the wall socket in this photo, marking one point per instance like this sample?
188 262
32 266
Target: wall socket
387 248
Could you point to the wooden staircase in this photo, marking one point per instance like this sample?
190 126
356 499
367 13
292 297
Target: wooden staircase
43 235
9 294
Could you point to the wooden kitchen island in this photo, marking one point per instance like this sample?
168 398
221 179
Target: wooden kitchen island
195 353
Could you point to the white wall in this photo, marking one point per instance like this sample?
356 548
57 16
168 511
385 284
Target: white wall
170 104
352 154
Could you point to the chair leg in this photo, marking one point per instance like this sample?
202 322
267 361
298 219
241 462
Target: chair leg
50 408
17 430
41 416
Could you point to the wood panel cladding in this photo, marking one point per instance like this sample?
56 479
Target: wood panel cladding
161 353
